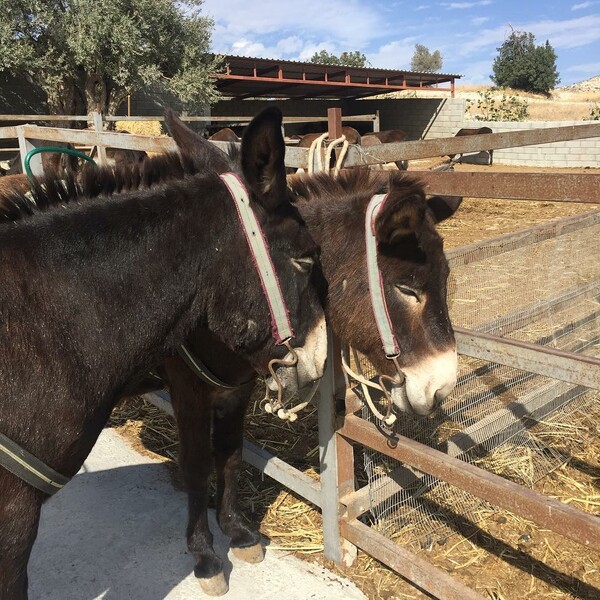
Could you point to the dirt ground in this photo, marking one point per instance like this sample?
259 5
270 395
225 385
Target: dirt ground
501 556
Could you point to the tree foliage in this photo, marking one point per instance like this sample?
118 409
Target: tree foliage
89 55
345 59
522 65
425 61
491 108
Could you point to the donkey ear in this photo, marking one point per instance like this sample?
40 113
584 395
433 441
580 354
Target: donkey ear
263 158
190 143
443 207
401 217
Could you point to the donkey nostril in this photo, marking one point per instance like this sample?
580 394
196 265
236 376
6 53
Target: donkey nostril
439 397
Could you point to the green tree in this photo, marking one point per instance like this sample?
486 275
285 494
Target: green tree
424 61
522 65
346 59
89 55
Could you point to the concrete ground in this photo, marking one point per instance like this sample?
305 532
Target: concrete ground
117 532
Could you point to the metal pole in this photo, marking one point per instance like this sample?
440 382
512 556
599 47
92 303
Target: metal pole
330 505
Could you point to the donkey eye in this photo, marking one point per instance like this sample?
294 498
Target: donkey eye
303 265
408 292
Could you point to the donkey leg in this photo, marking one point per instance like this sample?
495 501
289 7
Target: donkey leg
228 428
19 519
193 413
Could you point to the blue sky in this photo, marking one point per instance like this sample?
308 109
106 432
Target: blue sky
466 33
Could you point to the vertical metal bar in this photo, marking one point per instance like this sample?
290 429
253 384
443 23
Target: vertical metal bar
98 126
345 461
328 459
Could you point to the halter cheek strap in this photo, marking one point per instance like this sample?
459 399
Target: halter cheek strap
376 290
280 321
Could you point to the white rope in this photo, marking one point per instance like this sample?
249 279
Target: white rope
324 154
317 144
340 161
365 384
291 414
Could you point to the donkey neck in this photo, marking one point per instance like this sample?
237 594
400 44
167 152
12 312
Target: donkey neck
104 288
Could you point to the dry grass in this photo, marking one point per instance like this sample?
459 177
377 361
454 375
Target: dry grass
140 127
560 105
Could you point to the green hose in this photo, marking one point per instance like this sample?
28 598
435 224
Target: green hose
35 151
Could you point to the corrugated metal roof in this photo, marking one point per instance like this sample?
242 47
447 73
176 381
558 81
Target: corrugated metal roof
246 77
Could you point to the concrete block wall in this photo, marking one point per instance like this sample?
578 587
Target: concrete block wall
575 153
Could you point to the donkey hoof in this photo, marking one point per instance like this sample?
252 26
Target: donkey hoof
251 554
215 585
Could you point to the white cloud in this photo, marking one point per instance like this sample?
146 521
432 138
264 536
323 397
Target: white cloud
476 73
572 33
289 45
395 55
582 5
463 5
480 20
585 68
352 24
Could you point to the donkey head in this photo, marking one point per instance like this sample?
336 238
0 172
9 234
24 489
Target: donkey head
238 294
413 270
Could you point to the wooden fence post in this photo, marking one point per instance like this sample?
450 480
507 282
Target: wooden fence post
334 123
26 146
99 126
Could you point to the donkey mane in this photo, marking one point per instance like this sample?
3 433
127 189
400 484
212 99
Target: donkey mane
50 191
352 184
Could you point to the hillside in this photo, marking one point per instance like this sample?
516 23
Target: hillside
568 103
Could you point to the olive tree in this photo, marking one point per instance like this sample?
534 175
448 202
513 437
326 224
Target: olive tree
425 61
345 59
89 55
522 65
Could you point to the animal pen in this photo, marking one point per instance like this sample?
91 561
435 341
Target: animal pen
526 310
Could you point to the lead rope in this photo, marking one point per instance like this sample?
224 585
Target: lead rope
324 155
389 418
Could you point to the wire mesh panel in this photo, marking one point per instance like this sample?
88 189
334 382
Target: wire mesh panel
542 288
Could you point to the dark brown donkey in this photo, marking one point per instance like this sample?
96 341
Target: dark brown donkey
104 279
414 271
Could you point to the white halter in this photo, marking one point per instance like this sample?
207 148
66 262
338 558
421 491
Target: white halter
280 322
382 316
